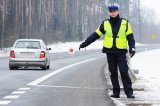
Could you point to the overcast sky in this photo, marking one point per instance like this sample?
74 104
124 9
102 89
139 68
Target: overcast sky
153 4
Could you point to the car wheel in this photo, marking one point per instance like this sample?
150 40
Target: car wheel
44 67
48 67
16 67
11 67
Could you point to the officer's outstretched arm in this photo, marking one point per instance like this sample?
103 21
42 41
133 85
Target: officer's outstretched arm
93 37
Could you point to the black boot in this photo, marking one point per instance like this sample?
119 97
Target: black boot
115 96
131 96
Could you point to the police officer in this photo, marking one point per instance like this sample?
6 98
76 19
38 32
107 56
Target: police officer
118 36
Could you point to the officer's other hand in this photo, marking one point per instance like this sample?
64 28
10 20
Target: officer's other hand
132 52
83 45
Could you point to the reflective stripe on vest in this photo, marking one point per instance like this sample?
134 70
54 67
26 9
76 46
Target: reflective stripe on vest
121 41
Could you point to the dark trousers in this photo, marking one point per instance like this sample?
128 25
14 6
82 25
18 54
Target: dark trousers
115 61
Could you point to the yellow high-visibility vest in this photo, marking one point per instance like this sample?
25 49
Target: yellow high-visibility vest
121 41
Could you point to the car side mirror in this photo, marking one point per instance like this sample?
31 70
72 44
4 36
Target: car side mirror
49 49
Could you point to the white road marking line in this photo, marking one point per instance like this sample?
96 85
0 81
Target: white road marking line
24 89
4 102
12 97
18 92
36 82
58 86
72 87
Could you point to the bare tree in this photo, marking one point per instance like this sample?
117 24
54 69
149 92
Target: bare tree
61 20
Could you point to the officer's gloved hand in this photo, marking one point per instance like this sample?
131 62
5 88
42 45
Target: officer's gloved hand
83 45
132 52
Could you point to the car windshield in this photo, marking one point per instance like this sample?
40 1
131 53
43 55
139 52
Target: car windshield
28 44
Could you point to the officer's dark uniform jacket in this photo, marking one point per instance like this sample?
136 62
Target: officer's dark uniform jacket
115 26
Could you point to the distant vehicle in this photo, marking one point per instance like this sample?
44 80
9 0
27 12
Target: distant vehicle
29 53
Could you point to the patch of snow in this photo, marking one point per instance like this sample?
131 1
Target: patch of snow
148 64
64 47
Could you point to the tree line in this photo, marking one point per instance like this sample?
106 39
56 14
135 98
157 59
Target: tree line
50 20
59 20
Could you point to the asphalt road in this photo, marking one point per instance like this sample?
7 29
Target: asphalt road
73 80
80 84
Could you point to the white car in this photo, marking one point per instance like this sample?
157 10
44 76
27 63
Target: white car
29 53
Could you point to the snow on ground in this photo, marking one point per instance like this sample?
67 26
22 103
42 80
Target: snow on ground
139 44
4 52
148 64
64 47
